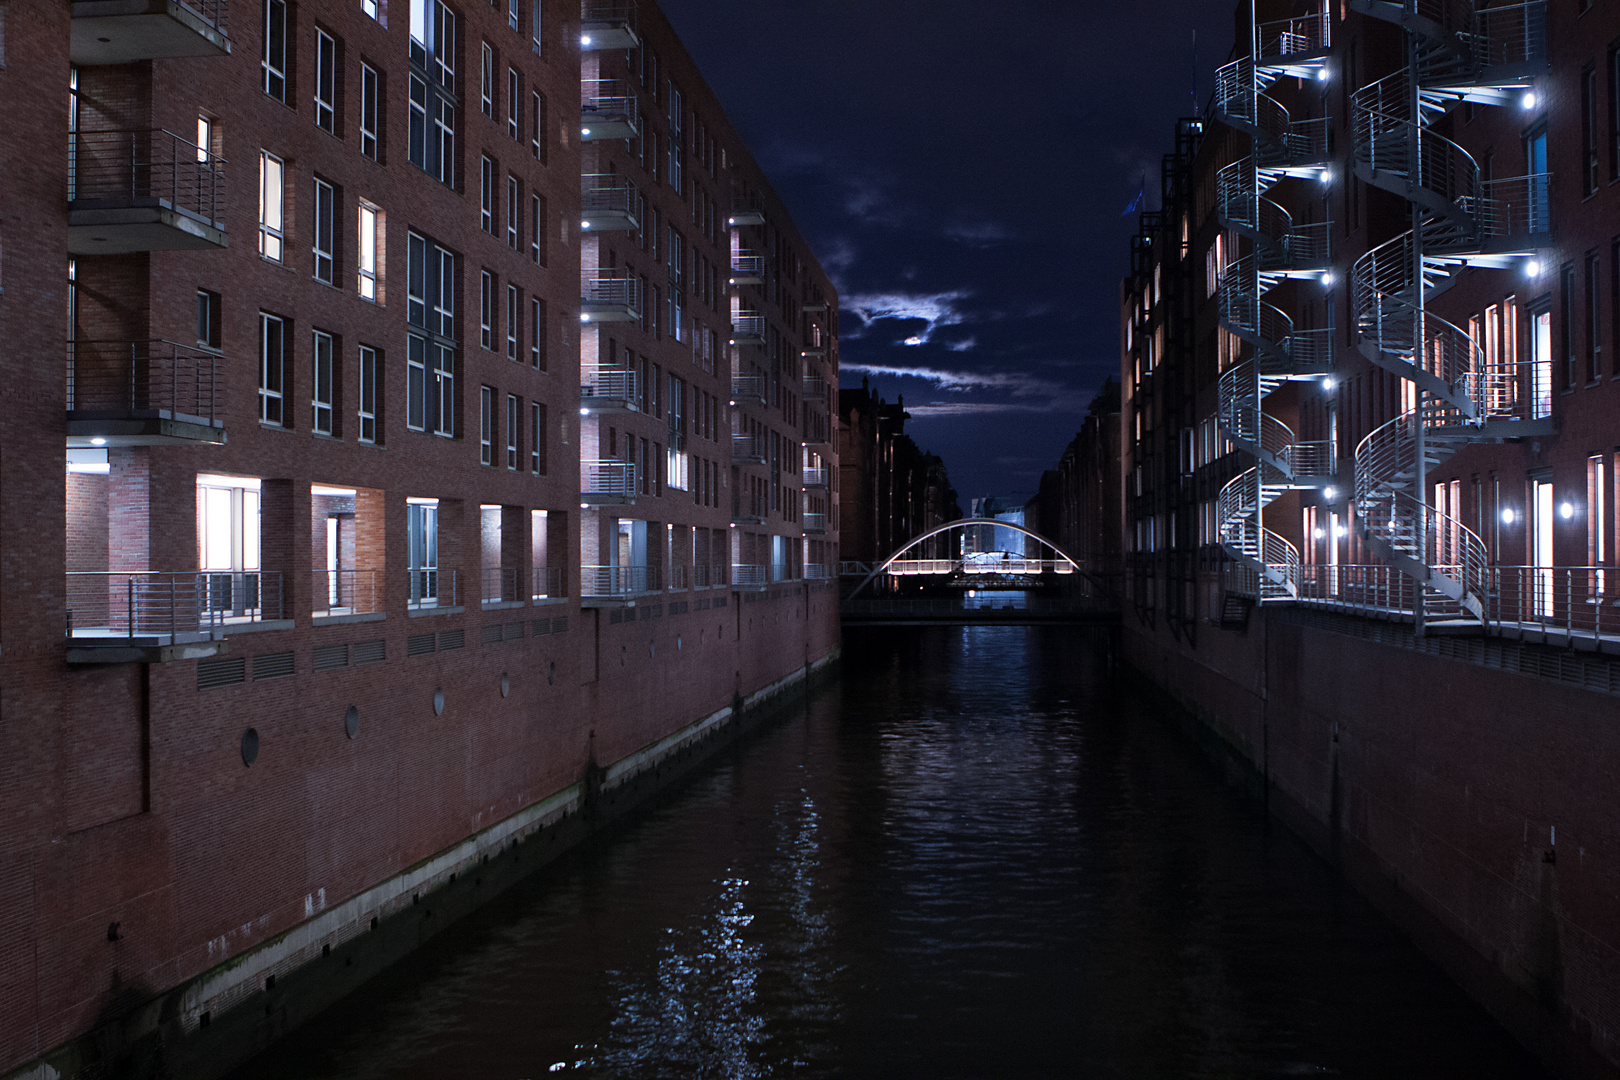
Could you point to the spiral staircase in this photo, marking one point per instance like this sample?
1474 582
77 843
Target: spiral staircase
1280 248
1461 220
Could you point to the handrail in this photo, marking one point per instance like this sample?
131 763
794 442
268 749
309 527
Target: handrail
154 377
123 167
608 478
346 591
119 604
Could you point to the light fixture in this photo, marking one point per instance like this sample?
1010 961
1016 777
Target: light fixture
1533 268
1340 531
1317 534
585 132
584 506
584 224
98 441
584 316
1529 99
1330 384
1323 75
584 39
1507 515
584 412
1327 278
1330 493
1566 511
731 221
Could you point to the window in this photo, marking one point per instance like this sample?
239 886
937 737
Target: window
486 80
1535 160
537 244
205 140
208 315
1541 362
422 550
326 64
537 439
486 425
323 382
512 105
271 197
513 202
1614 112
274 60
367 413
514 421
325 212
1594 307
432 135
512 14
1589 139
537 334
1566 321
537 104
370 126
272 367
431 356
534 27
486 195
486 310
366 259
677 147
514 304
369 7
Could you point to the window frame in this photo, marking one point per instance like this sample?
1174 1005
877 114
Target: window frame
326 81
324 219
514 309
366 408
367 260
486 425
486 310
514 424
273 67
537 438
323 383
272 369
370 114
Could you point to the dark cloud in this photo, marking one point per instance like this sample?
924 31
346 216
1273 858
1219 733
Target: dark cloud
960 168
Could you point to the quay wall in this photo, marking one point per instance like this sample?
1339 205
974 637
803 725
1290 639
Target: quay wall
1472 803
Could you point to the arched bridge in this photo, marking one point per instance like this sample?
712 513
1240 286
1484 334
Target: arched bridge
1004 575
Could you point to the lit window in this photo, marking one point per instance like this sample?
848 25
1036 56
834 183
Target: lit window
271 199
367 261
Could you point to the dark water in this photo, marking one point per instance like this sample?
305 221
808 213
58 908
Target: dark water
971 857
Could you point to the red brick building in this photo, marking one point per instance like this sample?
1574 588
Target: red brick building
440 392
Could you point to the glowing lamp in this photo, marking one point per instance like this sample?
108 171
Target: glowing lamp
1507 516
1529 100
98 441
1566 511
584 39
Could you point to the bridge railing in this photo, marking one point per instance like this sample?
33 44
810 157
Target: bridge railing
936 607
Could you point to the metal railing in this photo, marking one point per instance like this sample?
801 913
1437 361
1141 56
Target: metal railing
1566 601
607 11
114 605
747 264
346 592
429 588
748 324
701 577
145 167
614 383
747 449
752 386
610 287
501 585
618 581
607 99
107 379
605 193
815 522
815 478
677 577
749 576
1307 35
546 583
814 571
813 386
608 478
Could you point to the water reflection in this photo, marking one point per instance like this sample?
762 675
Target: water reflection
972 858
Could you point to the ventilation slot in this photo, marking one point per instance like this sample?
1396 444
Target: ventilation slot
369 652
514 631
223 671
540 626
452 639
331 657
418 644
491 634
272 666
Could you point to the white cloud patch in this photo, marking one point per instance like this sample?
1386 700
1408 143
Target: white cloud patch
938 309
979 234
965 345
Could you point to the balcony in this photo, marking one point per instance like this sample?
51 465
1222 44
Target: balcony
748 328
607 483
747 268
752 388
607 24
747 450
815 524
608 205
150 616
433 590
813 388
346 595
607 390
819 571
546 585
143 393
608 109
605 586
747 210
679 576
815 478
749 577
609 295
502 586
127 31
143 190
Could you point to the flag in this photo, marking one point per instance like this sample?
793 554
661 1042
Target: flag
1136 203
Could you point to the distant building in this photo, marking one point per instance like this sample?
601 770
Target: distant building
889 490
1079 504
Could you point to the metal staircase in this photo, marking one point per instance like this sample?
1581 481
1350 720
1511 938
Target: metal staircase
1280 248
1461 220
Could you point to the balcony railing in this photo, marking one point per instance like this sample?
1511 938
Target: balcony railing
608 110
501 585
157 389
678 578
751 387
124 33
346 592
813 387
618 581
607 24
819 571
747 268
431 588
546 583
608 481
607 203
815 522
749 576
747 450
816 478
747 210
608 389
748 328
142 190
118 606
609 295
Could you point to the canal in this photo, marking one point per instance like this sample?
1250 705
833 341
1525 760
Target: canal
970 855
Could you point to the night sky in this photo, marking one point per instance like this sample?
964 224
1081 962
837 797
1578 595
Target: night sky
961 169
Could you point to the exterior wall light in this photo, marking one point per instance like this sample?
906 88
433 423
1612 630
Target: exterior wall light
1330 384
1330 493
1507 515
585 39
1566 511
1340 531
1529 100
1533 268
1317 533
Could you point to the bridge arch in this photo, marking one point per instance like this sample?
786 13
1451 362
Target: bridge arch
967 523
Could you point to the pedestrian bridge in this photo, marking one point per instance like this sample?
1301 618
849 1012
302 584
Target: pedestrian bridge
981 587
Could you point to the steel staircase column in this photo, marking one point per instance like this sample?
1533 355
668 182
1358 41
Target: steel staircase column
1418 338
